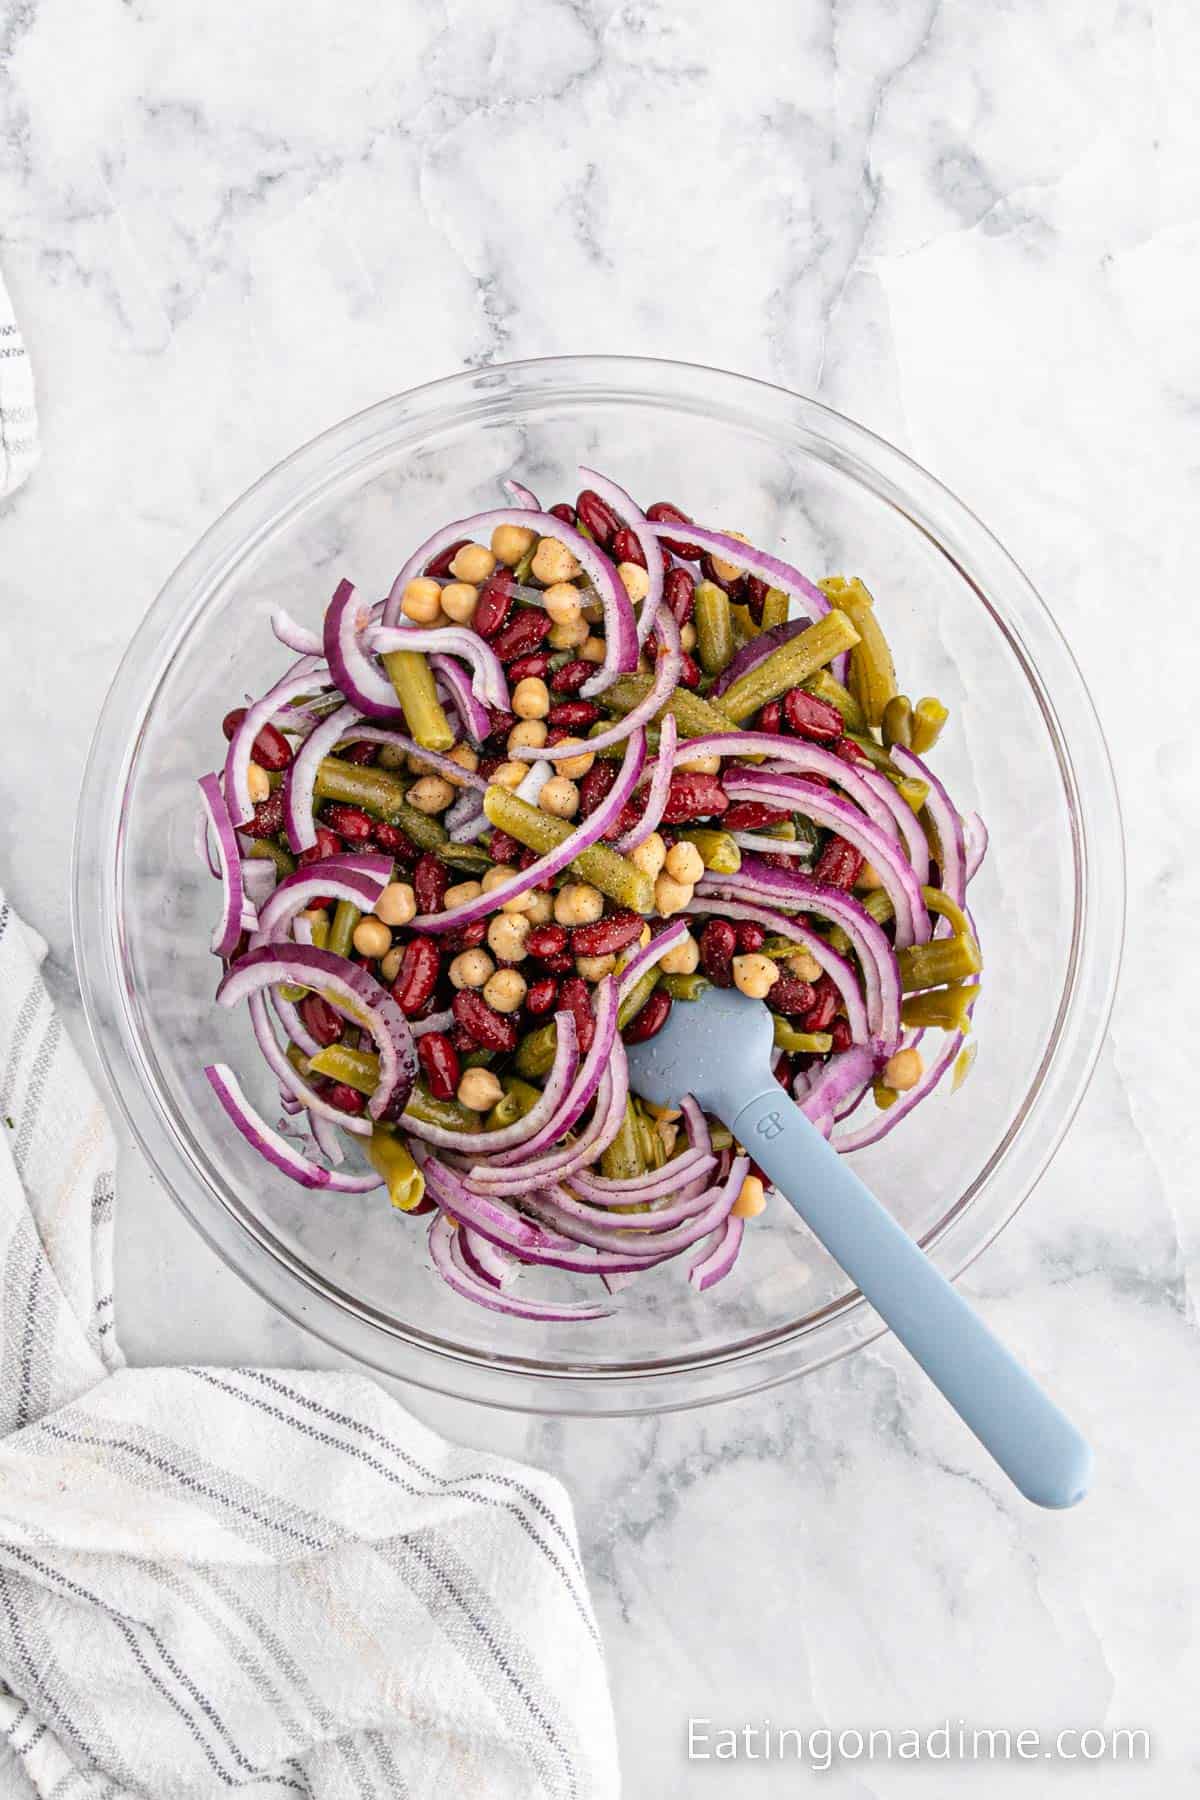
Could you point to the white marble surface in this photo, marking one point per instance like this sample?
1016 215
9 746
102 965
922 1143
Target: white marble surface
974 228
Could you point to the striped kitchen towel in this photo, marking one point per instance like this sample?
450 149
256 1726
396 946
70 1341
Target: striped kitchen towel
262 1580
18 410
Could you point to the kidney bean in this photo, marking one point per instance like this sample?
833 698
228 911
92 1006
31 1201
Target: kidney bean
692 796
810 717
679 592
574 996
439 565
598 516
462 1040
848 751
625 821
502 848
489 764
541 995
651 1018
268 820
439 1060
689 672
500 723
576 715
435 1003
562 509
327 844
525 666
523 633
321 1020
718 942
271 749
663 513
491 1030
820 1015
791 995
495 602
752 592
783 1073
770 717
598 781
430 881
344 1097
546 940
750 937
397 843
839 1031
606 936
363 754
839 864
625 548
465 937
348 821
571 677
418 975
708 569
751 815
561 964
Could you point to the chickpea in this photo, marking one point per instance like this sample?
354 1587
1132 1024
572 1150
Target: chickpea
553 562
507 937
803 965
419 765
473 563
522 905
578 903
595 968
661 1112
389 968
397 904
466 758
670 896
539 906
754 975
559 797
509 774
258 782
531 698
432 794
505 991
573 766
390 756
458 896
903 1071
634 580
471 968
495 878
701 765
422 601
644 936
511 542
687 636
868 879
459 600
727 571
684 863
530 734
592 650
569 636
372 937
751 1199
479 1090
650 856
562 603
684 959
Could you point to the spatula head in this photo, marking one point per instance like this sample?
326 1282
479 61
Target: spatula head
717 1048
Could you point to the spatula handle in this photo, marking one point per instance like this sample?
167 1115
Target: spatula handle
1033 1442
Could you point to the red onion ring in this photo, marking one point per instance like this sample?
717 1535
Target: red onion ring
834 964
297 637
555 1096
472 713
582 1090
668 665
459 1276
943 816
655 803
487 678
361 680
276 1149
884 1122
717 1257
298 681
229 866
359 879
651 549
302 774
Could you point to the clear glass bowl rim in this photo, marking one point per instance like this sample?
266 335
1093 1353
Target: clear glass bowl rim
346 452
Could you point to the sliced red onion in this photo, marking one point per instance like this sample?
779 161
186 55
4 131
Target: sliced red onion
359 879
535 779
668 664
290 1080
472 713
441 1021
717 1257
554 1127
438 764
458 1275
663 1243
298 680
289 1103
751 654
859 1017
325 1134
600 1190
488 1260
890 863
466 820
487 679
202 842
463 1255
357 674
627 507
693 1198
620 627
521 496
276 1149
975 841
558 1165
699 1136
751 561
884 1122
840 1076
297 637
259 878
650 955
554 1100
302 774
943 815
229 866
348 987
761 844
589 831
293 1024
809 759
655 803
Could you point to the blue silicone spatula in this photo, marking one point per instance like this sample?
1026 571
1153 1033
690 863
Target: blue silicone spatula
719 1049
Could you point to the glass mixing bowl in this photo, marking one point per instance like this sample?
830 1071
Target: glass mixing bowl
1023 748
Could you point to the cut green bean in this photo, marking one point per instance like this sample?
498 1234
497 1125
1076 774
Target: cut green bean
694 716
718 851
606 869
358 1069
471 858
416 690
637 997
774 609
897 722
686 987
946 1008
826 687
929 715
789 665
393 1159
815 1043
623 1159
450 1115
380 792
939 961
518 1098
714 628
872 671
535 1052
267 850
346 915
